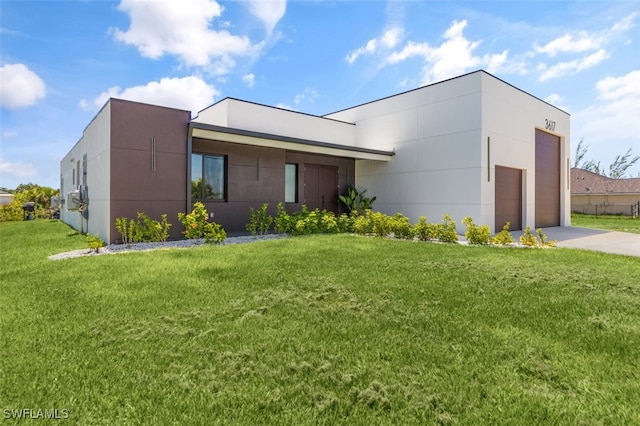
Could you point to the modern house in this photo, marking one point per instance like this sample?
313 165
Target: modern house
472 145
592 193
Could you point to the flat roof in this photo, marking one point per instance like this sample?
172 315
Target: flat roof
247 137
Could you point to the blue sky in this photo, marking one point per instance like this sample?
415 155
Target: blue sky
61 60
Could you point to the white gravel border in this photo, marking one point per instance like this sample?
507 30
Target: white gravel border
179 244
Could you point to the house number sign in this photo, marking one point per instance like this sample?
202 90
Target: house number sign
549 125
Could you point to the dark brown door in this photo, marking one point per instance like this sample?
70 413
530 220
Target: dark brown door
547 180
321 187
508 198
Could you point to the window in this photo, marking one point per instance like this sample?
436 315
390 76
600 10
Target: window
290 183
208 177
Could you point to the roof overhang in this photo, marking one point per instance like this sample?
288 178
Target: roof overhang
246 137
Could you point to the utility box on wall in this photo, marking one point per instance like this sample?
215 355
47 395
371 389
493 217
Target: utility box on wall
74 200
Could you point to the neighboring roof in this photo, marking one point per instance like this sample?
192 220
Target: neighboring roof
247 137
582 179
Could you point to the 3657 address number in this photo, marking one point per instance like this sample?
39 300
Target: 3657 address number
549 125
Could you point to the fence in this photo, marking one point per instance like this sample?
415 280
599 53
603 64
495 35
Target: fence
632 210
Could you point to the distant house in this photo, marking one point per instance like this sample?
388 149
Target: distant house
5 198
592 193
471 145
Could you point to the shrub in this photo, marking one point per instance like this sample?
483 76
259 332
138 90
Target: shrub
363 224
503 237
447 230
424 230
345 222
356 201
476 234
528 239
95 242
401 226
260 221
143 229
544 242
282 221
196 225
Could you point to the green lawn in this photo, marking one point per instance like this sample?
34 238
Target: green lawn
324 329
608 222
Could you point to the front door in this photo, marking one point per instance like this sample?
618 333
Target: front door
321 187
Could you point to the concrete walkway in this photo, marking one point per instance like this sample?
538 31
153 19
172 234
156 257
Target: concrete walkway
592 239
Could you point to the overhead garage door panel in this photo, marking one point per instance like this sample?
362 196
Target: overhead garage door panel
508 196
547 180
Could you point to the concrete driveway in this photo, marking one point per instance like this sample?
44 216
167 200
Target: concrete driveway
592 239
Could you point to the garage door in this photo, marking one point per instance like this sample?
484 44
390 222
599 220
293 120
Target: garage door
508 207
547 180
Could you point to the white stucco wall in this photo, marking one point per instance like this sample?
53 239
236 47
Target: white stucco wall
510 118
439 134
95 143
249 116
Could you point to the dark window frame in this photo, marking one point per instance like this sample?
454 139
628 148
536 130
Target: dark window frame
225 177
297 168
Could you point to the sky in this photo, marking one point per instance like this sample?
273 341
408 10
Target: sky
61 60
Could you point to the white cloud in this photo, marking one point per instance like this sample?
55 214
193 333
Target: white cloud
570 44
453 57
188 93
580 42
249 79
611 126
616 88
268 11
17 170
20 86
572 67
309 95
388 40
181 29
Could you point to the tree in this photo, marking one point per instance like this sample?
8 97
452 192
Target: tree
621 164
617 169
581 151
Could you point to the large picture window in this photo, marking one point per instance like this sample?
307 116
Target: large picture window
208 177
290 183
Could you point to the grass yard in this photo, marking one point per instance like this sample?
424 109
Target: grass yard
318 330
607 222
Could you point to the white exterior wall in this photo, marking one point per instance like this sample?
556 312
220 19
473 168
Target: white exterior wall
252 117
510 118
96 144
435 133
439 134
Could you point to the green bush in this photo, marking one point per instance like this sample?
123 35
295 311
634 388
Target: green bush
356 201
447 230
528 239
503 237
424 230
259 221
143 229
196 225
401 226
282 221
544 241
362 224
95 242
476 234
